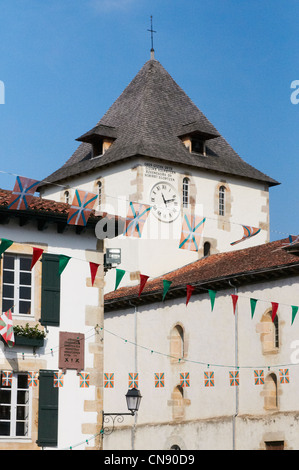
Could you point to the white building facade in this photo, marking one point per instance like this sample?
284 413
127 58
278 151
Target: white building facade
210 379
50 391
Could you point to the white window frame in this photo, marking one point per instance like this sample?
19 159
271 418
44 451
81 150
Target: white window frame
222 191
14 406
186 187
17 286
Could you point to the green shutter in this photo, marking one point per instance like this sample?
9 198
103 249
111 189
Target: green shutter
47 410
50 305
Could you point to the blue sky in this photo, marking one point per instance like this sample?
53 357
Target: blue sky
64 62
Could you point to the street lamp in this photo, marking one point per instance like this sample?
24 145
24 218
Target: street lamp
133 397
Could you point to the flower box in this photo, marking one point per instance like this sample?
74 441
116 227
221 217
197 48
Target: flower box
26 341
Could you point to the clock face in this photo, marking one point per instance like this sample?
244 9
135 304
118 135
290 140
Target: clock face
165 202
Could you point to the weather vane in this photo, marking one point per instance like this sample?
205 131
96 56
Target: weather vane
152 35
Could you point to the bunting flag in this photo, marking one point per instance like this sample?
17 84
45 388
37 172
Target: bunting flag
93 271
82 205
252 306
5 244
292 240
58 379
63 261
6 378
192 228
22 193
143 280
37 253
119 275
235 300
248 233
294 313
190 290
274 310
136 218
84 380
6 328
166 286
212 294
32 379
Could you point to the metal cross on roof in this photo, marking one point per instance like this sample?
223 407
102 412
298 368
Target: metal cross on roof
152 35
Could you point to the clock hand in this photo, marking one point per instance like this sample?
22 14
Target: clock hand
170 200
163 199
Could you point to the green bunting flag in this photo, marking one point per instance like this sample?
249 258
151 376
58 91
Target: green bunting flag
294 313
253 305
119 275
5 244
63 261
212 294
166 285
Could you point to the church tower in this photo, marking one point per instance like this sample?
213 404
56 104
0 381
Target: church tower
155 147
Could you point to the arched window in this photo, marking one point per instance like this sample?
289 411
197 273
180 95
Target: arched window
221 207
67 197
99 193
178 408
186 182
207 249
177 343
270 332
270 392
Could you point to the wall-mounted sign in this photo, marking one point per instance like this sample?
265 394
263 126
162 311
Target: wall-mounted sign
161 172
71 351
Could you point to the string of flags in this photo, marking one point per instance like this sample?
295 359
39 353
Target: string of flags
64 260
84 202
212 294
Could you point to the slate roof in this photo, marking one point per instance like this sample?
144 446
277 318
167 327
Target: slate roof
220 271
147 120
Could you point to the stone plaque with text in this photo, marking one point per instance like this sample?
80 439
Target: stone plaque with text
71 351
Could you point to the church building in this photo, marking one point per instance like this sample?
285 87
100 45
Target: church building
155 148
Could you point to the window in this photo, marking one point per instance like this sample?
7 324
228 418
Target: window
207 249
67 197
17 282
99 193
97 148
198 146
222 200
177 343
178 409
275 445
270 392
270 332
185 192
15 406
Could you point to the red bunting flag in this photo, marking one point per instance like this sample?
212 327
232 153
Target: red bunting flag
93 271
190 290
274 310
235 300
37 252
143 280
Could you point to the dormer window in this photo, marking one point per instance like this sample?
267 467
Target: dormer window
100 137
97 148
198 146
